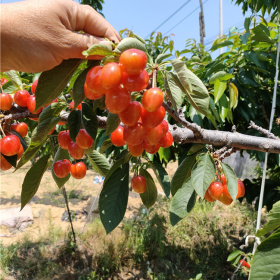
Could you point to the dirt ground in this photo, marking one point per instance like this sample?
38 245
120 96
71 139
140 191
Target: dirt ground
48 203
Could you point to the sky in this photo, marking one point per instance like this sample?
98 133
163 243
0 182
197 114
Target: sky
142 17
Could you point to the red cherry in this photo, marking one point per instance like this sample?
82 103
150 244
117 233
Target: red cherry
165 127
135 150
9 145
133 61
208 197
117 137
154 135
240 188
78 170
135 82
34 86
31 104
152 99
6 101
51 131
71 106
134 135
20 152
151 149
93 82
75 151
117 100
225 200
62 168
3 81
111 75
4 164
131 114
20 128
216 189
21 98
166 141
138 183
64 139
244 263
152 119
83 139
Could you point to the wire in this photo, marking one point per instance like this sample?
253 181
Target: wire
184 18
169 18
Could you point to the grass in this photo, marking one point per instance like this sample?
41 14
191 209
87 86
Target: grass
147 247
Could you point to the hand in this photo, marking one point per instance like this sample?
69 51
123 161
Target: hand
37 35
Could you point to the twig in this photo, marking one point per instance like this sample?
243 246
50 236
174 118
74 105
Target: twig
263 131
228 153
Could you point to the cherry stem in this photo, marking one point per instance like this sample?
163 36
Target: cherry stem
154 78
2 131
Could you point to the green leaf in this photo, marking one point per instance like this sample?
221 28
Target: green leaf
113 122
221 45
231 180
266 261
247 23
60 155
52 82
193 87
113 198
252 56
162 176
203 173
274 220
233 96
262 34
149 197
22 142
9 87
99 163
15 78
234 255
74 123
129 43
182 173
90 121
162 57
221 75
213 110
182 203
33 179
11 160
196 148
164 154
219 89
224 107
98 49
173 92
105 145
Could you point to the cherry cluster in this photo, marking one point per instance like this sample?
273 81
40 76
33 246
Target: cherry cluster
218 190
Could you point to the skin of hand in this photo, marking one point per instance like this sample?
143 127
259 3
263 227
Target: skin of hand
37 35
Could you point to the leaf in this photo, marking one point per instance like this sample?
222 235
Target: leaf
113 198
219 89
203 173
173 92
162 57
113 122
193 87
15 78
99 163
214 111
182 203
247 23
233 96
129 43
11 159
9 87
234 255
22 142
224 107
221 45
221 75
33 179
98 49
149 197
182 173
196 148
74 123
105 145
90 121
60 155
231 180
252 56
162 176
266 261
274 220
52 82
261 34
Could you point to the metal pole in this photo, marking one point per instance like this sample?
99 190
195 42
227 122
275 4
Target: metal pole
201 24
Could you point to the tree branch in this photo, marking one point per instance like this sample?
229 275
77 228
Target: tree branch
263 131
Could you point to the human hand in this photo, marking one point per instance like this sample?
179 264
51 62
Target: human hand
37 35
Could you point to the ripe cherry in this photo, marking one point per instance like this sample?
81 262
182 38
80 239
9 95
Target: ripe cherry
117 137
225 200
152 119
151 149
83 139
9 145
135 82
133 61
78 170
31 104
6 101
152 99
216 189
3 81
117 100
165 127
20 128
131 114
166 141
244 263
71 106
208 197
154 135
138 183
20 152
62 168
93 82
64 139
75 151
34 86
240 188
135 150
4 164
134 135
111 75
21 98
